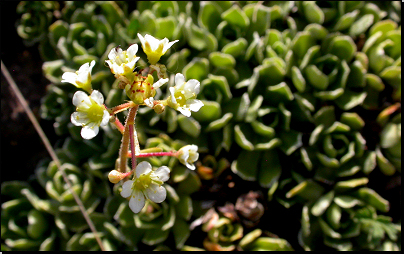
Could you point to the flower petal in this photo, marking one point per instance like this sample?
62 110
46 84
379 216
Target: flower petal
179 79
185 111
194 104
172 91
149 102
168 45
194 85
88 132
143 168
184 156
132 50
79 118
154 43
190 166
112 54
160 82
156 193
162 173
83 68
97 97
105 118
142 40
127 189
69 77
137 201
80 97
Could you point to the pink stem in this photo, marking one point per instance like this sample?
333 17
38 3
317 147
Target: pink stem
143 155
132 146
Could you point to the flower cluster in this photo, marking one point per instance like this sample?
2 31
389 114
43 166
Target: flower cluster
91 114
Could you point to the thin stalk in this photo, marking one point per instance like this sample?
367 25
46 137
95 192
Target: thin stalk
119 125
48 147
144 155
122 107
132 147
130 120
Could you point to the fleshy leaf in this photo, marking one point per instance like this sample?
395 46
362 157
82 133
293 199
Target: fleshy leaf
209 112
322 204
298 80
316 77
196 69
360 26
222 60
246 165
236 17
270 169
346 20
350 99
219 123
370 197
350 184
235 48
343 47
384 164
189 125
313 13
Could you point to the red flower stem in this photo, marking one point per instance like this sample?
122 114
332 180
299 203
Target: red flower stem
143 155
122 107
119 125
130 120
132 147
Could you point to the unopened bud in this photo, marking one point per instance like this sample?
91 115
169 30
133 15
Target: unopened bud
159 108
115 176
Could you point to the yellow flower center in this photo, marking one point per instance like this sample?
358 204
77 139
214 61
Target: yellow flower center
180 97
95 112
142 182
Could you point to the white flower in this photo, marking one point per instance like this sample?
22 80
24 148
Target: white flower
154 48
146 184
122 62
80 78
183 94
187 155
90 114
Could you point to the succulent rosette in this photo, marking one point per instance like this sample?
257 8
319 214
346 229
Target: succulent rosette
26 223
334 145
35 20
66 211
347 218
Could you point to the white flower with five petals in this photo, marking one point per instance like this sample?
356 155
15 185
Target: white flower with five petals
187 155
122 62
147 184
81 78
183 94
90 113
154 48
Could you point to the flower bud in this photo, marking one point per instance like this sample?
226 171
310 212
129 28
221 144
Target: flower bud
140 90
159 108
115 176
187 155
